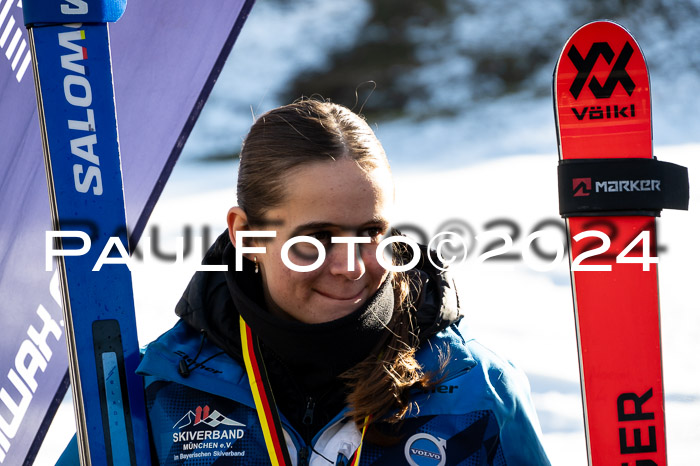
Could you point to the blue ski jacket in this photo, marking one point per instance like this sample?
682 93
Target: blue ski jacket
479 414
201 408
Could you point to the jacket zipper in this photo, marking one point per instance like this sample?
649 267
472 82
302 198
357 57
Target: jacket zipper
309 413
304 456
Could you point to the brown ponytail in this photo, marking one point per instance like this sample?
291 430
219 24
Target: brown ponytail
380 384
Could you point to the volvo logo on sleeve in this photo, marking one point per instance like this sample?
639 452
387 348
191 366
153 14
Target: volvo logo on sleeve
425 450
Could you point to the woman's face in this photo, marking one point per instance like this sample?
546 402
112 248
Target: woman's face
324 200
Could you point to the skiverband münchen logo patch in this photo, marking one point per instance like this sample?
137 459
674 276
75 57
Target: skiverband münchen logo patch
425 450
201 415
206 433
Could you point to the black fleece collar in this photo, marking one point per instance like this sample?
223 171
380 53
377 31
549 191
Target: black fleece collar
208 306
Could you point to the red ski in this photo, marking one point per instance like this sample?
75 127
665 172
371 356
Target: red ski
611 189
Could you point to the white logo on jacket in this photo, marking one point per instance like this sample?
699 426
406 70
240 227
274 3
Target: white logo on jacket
424 449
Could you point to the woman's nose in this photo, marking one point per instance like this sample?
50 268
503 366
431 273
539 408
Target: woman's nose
346 259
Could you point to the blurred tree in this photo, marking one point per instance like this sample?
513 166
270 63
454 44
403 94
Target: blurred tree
434 57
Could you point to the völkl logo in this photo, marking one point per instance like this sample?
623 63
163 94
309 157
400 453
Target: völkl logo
584 66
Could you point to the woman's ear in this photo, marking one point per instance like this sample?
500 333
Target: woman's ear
237 220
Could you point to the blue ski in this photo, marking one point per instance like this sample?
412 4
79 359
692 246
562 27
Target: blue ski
75 97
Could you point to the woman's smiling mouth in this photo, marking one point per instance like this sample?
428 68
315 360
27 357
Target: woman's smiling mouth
342 296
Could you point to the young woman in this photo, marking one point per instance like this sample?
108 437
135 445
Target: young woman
344 363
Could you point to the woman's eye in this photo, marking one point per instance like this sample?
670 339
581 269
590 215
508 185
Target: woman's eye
323 236
374 232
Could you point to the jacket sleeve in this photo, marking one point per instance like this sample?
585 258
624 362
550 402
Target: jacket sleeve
509 393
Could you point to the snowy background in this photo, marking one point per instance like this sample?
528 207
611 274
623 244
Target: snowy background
461 102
